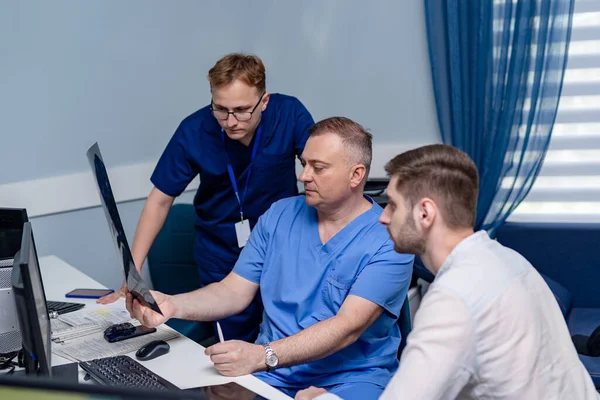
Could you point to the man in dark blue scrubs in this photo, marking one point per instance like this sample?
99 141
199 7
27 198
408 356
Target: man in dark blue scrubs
243 145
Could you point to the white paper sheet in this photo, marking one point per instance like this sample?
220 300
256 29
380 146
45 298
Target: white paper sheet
99 317
85 322
94 346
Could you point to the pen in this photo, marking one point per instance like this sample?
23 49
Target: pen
220 332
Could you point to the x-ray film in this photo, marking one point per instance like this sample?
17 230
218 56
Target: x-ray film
135 283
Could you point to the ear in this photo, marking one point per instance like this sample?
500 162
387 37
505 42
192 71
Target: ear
265 101
426 212
357 174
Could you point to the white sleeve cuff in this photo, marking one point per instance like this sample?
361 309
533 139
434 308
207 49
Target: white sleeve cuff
328 396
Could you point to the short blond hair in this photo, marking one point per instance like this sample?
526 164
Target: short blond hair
248 68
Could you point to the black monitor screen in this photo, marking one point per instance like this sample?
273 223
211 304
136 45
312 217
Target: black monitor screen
30 302
11 231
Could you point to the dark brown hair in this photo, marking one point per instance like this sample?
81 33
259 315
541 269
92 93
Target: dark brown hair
246 67
443 173
355 138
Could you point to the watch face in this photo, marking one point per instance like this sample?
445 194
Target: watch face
272 360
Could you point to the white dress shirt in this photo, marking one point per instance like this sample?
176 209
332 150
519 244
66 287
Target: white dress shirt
489 328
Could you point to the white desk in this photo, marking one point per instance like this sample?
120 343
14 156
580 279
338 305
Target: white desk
185 366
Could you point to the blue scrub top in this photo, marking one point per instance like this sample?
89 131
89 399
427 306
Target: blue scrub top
197 148
303 282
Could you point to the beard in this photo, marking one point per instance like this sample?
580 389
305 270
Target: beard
408 240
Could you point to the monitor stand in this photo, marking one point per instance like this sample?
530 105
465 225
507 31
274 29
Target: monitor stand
67 373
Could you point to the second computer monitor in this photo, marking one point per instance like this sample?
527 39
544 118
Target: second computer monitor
32 311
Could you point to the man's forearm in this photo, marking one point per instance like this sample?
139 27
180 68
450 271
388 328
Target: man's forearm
210 303
316 342
151 221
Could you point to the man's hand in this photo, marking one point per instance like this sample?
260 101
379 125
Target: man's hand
235 357
114 296
310 393
146 316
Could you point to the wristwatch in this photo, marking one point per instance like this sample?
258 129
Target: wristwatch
271 358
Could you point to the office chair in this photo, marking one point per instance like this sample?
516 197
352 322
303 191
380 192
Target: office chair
404 324
173 268
421 272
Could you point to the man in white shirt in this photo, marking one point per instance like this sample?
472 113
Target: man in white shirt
489 326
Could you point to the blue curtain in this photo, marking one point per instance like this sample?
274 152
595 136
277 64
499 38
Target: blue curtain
497 69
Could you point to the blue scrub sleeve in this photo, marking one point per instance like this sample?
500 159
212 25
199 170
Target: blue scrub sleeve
386 278
174 172
250 263
304 121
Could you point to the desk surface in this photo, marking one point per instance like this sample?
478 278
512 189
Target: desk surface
185 366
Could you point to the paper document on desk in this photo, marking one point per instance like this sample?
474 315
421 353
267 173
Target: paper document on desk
59 326
100 317
85 322
95 346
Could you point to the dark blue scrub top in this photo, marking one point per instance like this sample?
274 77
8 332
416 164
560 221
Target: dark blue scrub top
197 148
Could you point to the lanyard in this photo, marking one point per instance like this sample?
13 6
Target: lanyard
230 169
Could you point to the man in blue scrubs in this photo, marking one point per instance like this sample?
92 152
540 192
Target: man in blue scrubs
331 283
243 145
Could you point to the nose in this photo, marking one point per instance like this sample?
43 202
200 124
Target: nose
231 121
304 175
384 218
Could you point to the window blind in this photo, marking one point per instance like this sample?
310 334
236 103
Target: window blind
568 186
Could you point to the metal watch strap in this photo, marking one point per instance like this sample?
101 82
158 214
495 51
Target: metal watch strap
268 348
268 353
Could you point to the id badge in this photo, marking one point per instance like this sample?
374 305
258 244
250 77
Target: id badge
242 231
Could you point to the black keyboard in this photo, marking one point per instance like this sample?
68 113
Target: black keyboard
125 371
63 307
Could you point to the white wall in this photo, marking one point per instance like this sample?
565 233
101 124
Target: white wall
124 73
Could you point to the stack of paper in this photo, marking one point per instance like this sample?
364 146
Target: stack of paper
86 322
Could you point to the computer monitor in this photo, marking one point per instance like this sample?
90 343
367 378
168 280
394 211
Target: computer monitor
32 311
11 231
135 283
45 389
11 228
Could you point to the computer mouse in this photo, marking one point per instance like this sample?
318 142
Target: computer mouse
152 350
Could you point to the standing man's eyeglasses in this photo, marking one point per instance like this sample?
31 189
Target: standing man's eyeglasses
241 116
